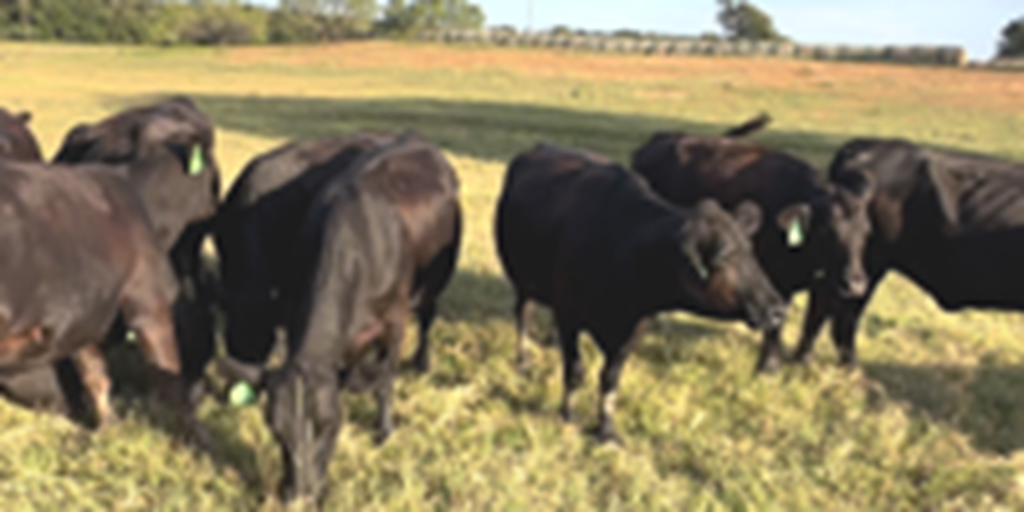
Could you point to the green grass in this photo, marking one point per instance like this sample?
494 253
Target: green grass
933 419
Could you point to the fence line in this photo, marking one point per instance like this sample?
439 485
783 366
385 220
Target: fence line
933 55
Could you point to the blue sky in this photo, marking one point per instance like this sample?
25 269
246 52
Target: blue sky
973 24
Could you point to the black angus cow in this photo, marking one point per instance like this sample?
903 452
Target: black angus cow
260 218
583 235
952 222
169 147
77 250
819 227
374 240
16 140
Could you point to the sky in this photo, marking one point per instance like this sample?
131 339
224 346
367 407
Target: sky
972 24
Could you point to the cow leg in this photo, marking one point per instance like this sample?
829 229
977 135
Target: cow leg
304 415
845 317
38 387
425 314
92 367
436 278
821 303
572 366
523 311
615 355
771 351
384 392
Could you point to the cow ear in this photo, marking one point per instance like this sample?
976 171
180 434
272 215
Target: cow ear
76 144
162 129
24 117
945 189
748 216
858 183
795 221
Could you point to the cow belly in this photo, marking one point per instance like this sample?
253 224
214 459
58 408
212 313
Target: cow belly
977 273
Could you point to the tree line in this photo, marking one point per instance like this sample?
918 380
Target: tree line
172 22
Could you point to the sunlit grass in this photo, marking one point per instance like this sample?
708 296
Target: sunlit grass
933 420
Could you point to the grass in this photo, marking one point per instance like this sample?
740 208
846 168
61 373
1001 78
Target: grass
933 419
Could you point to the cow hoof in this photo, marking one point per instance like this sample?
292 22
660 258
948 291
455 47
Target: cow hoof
524 363
768 366
107 420
566 413
300 503
607 435
381 437
799 357
421 363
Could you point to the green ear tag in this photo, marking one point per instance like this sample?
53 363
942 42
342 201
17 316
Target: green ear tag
702 271
195 162
130 336
795 234
241 394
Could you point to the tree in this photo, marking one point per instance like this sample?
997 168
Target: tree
1012 44
745 21
345 16
426 15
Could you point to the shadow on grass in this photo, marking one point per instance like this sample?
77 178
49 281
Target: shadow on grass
488 130
676 336
984 402
473 296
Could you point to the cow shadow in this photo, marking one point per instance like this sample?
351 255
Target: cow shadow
667 339
481 129
984 402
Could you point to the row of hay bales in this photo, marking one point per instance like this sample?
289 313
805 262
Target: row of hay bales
934 55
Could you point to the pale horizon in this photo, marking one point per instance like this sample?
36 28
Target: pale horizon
976 25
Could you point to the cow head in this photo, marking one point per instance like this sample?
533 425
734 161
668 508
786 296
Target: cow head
719 267
168 148
304 416
834 229
16 140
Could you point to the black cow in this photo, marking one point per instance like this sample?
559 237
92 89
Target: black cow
259 220
819 229
169 147
376 238
585 236
16 140
952 222
77 250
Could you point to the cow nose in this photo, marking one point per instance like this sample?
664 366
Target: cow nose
854 288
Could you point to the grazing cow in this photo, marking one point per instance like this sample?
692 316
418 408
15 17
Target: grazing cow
16 140
260 218
588 238
952 222
376 238
77 249
170 148
819 229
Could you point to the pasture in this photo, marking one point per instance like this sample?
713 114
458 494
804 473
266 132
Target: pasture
932 420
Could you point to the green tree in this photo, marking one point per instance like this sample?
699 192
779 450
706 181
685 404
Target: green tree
426 15
1012 44
745 21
